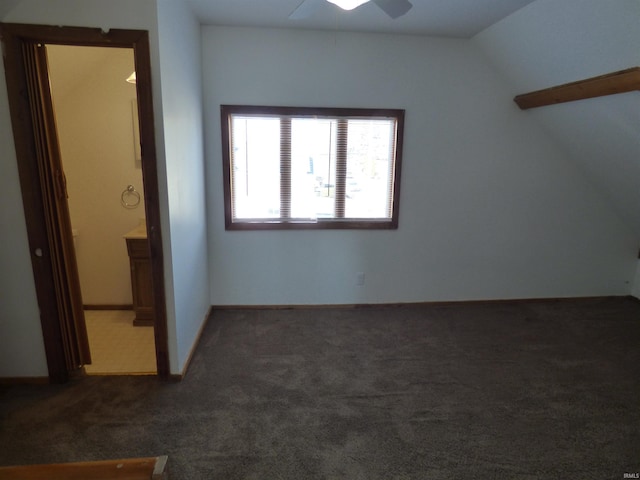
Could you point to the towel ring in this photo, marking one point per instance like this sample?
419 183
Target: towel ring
130 198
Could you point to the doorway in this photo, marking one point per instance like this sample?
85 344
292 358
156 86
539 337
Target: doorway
44 188
93 92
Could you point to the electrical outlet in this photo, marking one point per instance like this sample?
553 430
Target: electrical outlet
360 279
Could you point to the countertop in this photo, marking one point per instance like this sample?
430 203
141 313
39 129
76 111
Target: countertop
139 232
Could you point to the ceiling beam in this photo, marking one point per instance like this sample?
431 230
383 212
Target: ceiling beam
609 84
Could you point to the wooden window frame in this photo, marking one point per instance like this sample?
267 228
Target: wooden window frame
340 114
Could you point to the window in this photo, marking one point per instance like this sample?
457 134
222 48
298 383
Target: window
288 167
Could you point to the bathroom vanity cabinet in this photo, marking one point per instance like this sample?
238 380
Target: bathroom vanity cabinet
140 266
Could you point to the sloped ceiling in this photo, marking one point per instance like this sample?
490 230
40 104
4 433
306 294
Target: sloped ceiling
551 42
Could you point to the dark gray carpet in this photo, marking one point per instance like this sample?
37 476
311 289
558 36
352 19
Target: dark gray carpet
540 390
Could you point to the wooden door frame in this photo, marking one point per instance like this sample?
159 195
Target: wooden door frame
13 37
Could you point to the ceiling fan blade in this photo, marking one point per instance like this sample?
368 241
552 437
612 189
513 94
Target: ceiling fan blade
394 8
305 9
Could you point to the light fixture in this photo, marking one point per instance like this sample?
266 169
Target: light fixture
348 4
132 78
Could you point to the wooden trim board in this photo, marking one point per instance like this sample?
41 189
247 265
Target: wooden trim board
24 380
149 468
610 84
108 307
416 304
178 377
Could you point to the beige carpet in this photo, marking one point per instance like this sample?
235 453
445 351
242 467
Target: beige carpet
117 347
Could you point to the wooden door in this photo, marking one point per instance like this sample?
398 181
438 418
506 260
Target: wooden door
56 210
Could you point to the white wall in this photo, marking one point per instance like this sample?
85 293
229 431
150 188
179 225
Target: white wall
95 131
490 208
183 135
175 49
22 344
24 354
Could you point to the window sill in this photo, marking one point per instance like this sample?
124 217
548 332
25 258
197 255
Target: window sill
320 224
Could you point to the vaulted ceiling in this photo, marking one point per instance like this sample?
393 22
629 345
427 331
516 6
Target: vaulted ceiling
551 42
